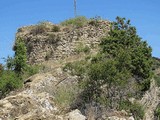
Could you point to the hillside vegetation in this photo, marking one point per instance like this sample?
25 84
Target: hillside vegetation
120 70
94 80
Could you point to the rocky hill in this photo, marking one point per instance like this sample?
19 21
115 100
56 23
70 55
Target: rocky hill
52 92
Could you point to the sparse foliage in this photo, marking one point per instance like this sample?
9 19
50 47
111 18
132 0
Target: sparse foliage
56 28
77 22
95 21
8 82
82 48
157 113
135 108
40 28
10 63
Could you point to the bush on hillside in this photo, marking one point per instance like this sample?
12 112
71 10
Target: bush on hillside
156 63
134 54
39 29
20 57
95 21
78 21
157 113
30 70
16 69
135 108
82 48
55 28
9 81
157 80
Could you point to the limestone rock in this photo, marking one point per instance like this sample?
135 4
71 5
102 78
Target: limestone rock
52 45
76 115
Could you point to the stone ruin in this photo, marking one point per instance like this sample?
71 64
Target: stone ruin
54 42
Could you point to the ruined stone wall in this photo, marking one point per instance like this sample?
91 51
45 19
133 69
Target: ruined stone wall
55 45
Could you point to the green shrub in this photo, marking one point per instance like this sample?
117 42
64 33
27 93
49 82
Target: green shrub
78 22
157 79
8 82
39 29
10 63
76 68
86 49
136 109
65 95
81 48
31 70
120 44
95 21
55 28
53 39
157 113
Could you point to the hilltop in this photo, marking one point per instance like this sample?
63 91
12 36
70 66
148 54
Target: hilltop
47 41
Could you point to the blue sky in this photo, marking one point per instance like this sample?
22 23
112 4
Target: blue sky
144 14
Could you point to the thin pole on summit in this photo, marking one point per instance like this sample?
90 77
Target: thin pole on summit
75 8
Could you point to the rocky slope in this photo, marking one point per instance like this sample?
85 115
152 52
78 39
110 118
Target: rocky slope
48 94
37 101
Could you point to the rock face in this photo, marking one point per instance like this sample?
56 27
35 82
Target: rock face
150 101
76 115
29 103
44 43
37 100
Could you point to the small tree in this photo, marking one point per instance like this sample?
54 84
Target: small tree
20 57
123 55
123 42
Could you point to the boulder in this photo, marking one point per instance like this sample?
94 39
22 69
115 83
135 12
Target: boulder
76 115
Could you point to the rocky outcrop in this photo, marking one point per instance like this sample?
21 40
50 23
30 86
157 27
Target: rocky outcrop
150 101
37 100
54 45
76 115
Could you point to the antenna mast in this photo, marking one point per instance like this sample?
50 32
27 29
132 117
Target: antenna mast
75 8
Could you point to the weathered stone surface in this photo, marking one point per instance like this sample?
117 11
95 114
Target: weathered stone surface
58 45
36 101
150 100
76 115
